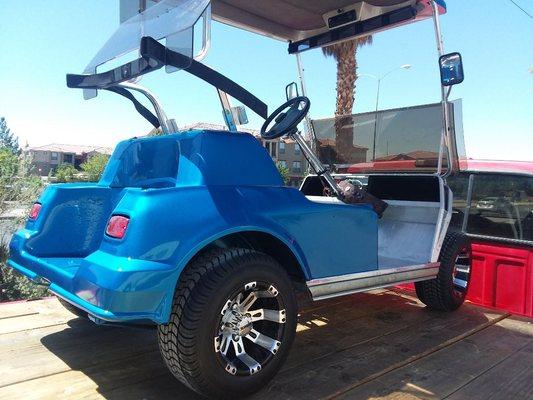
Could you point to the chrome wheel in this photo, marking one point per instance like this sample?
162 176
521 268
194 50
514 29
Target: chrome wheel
461 271
250 328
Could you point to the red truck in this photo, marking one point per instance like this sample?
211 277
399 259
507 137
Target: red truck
493 204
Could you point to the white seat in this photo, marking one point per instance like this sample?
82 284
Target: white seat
324 199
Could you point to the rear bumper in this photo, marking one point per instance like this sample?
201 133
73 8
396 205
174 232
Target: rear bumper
108 287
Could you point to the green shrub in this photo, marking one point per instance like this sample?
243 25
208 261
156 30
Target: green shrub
94 166
284 172
65 173
18 189
14 286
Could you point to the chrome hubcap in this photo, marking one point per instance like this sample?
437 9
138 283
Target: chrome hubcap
250 329
461 272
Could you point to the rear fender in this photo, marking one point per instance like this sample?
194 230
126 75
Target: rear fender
283 238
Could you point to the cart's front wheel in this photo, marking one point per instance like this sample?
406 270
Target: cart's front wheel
232 323
448 290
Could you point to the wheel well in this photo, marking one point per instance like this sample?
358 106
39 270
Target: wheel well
265 243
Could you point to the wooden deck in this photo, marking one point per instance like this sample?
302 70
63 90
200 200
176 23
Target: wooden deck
379 345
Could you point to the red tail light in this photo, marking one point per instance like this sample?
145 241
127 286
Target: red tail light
117 225
35 210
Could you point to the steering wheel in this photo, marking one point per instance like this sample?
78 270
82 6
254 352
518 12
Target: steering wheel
285 121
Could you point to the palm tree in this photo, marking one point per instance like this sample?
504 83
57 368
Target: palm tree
345 54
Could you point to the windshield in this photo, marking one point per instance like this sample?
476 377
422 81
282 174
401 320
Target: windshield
170 19
403 139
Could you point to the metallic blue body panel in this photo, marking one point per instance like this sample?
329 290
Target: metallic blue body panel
226 183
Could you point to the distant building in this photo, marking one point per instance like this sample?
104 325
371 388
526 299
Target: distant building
47 158
283 151
329 152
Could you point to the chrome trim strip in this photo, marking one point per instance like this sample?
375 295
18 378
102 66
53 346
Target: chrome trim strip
324 288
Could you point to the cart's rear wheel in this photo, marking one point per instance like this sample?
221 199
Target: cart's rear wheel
232 323
448 290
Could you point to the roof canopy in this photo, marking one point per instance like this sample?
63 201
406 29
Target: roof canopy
294 20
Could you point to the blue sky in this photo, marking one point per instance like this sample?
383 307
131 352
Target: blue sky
41 41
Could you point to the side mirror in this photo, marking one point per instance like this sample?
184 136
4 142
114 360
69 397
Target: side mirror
239 115
291 91
451 69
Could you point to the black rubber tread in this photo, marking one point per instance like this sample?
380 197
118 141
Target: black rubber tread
439 294
179 339
73 309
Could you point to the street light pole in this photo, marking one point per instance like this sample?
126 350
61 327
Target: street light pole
379 79
376 121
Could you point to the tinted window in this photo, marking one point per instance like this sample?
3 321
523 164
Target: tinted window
458 183
296 166
399 139
148 163
502 206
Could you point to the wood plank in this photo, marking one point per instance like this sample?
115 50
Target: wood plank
74 349
21 308
89 382
337 344
339 330
443 372
65 349
92 344
29 338
162 387
27 322
379 315
510 379
49 312
60 350
165 387
346 368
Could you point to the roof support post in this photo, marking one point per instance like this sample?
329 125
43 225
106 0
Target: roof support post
308 126
166 124
446 136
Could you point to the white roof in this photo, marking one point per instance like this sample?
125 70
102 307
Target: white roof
73 148
295 19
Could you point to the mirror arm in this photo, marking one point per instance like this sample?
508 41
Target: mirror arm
448 92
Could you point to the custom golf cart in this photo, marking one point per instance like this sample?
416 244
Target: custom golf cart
195 232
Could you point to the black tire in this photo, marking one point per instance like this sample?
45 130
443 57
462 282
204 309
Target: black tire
73 309
188 342
444 292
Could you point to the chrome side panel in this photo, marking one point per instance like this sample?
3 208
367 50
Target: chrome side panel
325 288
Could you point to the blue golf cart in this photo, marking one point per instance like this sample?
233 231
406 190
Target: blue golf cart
195 233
